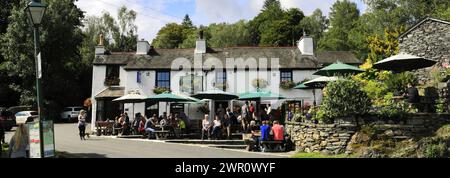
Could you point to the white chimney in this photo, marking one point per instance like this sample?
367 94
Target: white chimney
100 50
200 44
142 47
306 45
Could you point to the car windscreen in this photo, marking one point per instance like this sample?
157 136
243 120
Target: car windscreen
77 109
67 109
34 113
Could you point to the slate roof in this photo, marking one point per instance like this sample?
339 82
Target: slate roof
111 92
420 23
289 57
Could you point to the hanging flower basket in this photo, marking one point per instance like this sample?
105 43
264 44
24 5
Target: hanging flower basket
159 90
287 85
259 83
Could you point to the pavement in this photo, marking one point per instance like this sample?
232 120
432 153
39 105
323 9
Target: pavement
67 140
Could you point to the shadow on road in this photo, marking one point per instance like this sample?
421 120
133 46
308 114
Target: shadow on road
79 155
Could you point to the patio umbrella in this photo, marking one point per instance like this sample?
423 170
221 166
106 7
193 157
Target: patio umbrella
317 83
259 95
171 97
338 68
215 94
403 62
133 97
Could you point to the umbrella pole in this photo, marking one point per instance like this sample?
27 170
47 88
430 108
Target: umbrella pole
314 94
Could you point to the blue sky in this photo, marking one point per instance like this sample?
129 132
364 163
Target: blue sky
153 14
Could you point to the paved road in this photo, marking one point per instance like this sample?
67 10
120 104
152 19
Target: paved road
66 139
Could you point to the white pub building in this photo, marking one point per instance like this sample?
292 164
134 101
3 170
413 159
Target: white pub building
188 71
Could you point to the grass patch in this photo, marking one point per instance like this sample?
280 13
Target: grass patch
319 155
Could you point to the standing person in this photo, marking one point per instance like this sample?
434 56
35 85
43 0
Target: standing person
245 116
19 146
220 112
217 124
227 123
289 115
269 111
206 126
126 124
82 124
252 109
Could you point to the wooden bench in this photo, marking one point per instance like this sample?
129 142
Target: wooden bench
104 128
272 145
161 134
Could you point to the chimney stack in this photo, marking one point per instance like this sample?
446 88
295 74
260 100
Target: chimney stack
306 45
142 47
100 49
200 44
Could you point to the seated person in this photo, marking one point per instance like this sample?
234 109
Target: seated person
206 126
217 124
141 127
278 131
265 131
149 128
253 129
182 125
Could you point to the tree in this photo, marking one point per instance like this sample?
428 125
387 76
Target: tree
61 60
343 17
225 35
169 36
187 22
7 96
126 38
315 24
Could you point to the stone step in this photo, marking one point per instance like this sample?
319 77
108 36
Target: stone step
210 142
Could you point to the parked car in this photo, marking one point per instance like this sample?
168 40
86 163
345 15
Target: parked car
23 117
71 113
7 118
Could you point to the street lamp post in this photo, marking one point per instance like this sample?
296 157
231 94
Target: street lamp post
35 12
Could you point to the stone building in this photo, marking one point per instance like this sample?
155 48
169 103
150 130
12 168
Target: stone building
430 38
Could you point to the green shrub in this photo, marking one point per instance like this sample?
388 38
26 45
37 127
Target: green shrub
435 150
388 108
343 98
440 105
399 82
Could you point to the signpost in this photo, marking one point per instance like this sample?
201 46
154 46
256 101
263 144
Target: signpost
34 139
41 147
48 136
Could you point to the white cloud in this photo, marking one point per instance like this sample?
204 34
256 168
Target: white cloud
149 20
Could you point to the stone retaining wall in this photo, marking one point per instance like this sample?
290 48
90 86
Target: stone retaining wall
335 138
